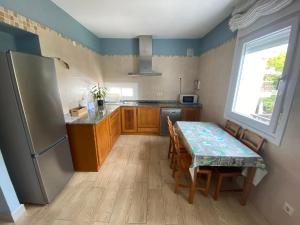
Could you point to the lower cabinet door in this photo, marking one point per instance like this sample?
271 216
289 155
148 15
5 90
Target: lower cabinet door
148 119
83 143
103 139
115 126
129 119
191 114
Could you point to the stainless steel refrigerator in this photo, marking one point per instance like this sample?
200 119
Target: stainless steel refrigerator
33 137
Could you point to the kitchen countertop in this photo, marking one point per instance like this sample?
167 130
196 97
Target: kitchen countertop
95 116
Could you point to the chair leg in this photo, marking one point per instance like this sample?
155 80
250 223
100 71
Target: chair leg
218 186
170 149
174 167
173 156
193 187
208 181
177 180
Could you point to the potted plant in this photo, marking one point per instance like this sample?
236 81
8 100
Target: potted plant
99 94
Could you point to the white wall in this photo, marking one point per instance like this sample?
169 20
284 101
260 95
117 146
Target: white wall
283 181
166 87
84 72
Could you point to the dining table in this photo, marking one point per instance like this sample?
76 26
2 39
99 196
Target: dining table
209 145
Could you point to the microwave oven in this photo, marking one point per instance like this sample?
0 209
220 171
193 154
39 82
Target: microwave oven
188 99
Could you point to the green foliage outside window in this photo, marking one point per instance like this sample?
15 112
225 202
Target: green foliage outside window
268 104
276 63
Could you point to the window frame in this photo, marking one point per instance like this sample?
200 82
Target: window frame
122 85
275 130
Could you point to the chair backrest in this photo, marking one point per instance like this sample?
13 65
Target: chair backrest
169 122
232 128
176 141
252 140
170 127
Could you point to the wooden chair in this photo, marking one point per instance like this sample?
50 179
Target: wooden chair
172 152
171 148
183 163
232 128
254 142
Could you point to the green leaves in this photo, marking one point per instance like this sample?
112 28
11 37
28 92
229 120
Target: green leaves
99 92
277 62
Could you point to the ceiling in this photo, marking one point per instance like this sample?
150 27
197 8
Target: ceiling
160 18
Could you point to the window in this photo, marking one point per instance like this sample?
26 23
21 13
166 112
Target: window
261 71
121 91
261 78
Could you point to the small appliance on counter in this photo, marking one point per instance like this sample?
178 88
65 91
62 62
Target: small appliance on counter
188 99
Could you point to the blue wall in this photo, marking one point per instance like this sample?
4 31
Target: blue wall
220 34
15 39
47 13
121 46
217 36
175 46
7 42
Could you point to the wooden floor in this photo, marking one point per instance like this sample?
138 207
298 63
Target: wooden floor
135 186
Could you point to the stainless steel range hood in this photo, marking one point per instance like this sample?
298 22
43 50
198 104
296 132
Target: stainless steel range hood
145 58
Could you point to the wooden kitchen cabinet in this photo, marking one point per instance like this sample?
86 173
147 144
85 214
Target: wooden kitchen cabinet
103 139
91 143
129 119
83 143
115 126
191 114
148 119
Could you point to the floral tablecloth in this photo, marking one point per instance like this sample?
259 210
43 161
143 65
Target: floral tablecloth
210 145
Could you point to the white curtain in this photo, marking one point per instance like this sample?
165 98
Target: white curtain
248 11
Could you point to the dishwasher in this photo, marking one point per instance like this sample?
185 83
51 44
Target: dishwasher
173 113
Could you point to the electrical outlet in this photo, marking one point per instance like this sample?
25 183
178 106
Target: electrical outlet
288 209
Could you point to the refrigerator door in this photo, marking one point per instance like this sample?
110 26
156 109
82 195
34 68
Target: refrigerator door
36 89
54 168
14 143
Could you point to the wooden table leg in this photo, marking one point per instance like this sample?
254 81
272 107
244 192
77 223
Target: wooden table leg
247 185
193 173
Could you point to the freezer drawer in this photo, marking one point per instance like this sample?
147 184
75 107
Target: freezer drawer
54 168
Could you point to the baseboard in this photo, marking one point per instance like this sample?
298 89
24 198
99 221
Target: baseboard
14 216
